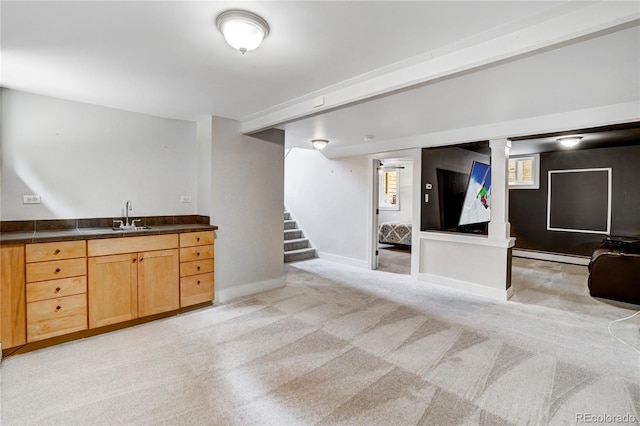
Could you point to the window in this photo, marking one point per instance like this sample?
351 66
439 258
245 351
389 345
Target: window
524 172
389 190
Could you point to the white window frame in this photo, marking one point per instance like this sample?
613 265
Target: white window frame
535 172
381 204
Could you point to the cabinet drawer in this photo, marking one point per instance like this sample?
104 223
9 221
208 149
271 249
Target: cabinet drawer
55 251
189 254
196 267
55 317
196 289
109 246
189 239
43 271
43 290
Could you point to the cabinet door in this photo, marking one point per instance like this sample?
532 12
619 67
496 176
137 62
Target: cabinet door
158 285
113 289
13 324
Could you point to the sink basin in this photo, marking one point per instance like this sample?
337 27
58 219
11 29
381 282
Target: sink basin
132 228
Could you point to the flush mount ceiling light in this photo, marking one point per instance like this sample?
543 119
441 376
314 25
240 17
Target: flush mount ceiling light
569 141
243 30
320 144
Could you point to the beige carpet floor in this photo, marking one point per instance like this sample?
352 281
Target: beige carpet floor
395 259
340 345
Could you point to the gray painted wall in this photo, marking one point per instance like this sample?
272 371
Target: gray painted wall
329 199
247 203
87 161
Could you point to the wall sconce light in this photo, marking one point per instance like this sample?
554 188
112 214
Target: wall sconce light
569 141
319 144
243 30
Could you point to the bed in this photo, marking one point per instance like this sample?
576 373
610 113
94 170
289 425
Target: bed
394 233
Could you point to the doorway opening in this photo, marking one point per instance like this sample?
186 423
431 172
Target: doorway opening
393 223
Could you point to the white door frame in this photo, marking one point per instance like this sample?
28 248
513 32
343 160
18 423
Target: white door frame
374 161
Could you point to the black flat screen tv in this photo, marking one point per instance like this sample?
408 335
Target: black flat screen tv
476 207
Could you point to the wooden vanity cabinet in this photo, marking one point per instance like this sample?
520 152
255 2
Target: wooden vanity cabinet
196 268
56 287
127 283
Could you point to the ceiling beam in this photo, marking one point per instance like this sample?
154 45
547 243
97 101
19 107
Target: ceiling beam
561 29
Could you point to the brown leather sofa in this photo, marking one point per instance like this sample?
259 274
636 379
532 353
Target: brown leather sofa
614 270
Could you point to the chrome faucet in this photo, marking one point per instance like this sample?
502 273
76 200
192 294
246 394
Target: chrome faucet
127 208
124 224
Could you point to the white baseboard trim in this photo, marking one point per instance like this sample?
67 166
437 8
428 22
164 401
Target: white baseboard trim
473 288
510 292
344 260
226 294
553 257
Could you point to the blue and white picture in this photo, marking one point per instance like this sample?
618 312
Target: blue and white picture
476 207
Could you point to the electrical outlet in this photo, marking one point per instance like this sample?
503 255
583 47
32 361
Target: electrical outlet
185 199
30 199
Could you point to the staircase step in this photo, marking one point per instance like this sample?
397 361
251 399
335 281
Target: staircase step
296 244
292 234
302 254
290 224
287 215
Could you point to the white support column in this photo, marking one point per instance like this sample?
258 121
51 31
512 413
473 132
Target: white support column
499 227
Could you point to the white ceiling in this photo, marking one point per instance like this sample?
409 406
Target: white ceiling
166 58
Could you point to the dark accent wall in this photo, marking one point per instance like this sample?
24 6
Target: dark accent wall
447 170
528 207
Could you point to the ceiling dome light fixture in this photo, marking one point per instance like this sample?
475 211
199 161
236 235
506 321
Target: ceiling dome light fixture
569 141
243 30
320 144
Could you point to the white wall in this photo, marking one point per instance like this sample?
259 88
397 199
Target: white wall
87 161
471 263
406 198
329 199
204 135
247 202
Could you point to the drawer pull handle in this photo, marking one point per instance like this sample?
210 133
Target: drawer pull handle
58 307
141 259
134 260
198 268
198 239
58 270
198 254
198 282
57 290
57 251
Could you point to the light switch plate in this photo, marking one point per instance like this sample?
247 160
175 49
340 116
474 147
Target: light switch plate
31 199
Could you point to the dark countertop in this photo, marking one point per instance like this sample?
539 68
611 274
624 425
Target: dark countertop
96 233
